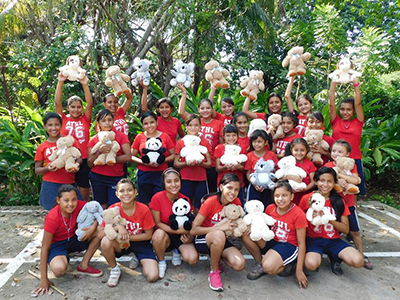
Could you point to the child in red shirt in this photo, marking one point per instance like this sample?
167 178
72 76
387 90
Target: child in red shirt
227 108
289 123
274 102
241 121
139 229
59 239
110 102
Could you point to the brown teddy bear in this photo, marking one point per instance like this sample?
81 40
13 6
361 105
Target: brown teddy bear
274 125
111 218
234 214
314 137
344 165
106 138
65 155
116 79
216 74
252 84
295 59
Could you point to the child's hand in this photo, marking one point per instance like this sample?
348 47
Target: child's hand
88 233
123 233
186 238
301 279
105 149
43 287
194 163
299 190
226 226
142 84
181 87
259 188
317 213
61 77
153 164
51 168
343 183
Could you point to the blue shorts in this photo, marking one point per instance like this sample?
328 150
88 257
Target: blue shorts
360 170
104 188
201 245
332 247
149 183
353 219
175 242
212 179
265 196
82 176
48 194
142 250
287 251
195 190
64 247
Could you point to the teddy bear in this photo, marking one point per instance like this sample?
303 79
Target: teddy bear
112 218
182 73
72 69
106 138
295 59
257 124
344 72
344 165
116 79
233 213
314 137
216 74
89 213
316 203
142 71
192 151
258 221
154 151
252 84
263 175
287 166
181 215
274 125
65 155
232 155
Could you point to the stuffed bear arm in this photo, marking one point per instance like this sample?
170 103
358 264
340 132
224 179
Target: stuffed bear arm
269 220
261 86
309 214
279 173
225 72
124 77
324 145
184 152
108 82
82 216
202 149
244 82
96 147
174 73
115 146
75 153
53 156
301 172
247 219
162 150
145 150
306 56
285 62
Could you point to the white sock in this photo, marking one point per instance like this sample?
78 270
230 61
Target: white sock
116 268
162 262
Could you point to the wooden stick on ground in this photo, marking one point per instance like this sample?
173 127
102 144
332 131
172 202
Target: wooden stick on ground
129 271
52 286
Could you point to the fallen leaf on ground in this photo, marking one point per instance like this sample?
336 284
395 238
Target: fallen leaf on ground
178 277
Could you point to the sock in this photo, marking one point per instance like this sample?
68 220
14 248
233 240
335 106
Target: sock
162 261
116 268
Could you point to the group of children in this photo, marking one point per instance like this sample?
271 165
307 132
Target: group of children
209 185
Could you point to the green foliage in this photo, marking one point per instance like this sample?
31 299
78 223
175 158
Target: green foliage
387 199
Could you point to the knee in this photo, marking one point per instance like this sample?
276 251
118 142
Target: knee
238 264
217 238
159 236
190 258
106 244
355 234
358 261
59 271
152 277
311 264
269 268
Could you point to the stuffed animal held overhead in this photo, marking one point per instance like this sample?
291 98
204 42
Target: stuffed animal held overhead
263 175
181 215
110 158
323 213
233 213
182 73
344 165
72 69
258 221
116 79
89 213
287 166
142 71
344 72
65 155
252 84
154 151
295 59
216 74
193 151
112 217
232 155
257 124
315 137
274 125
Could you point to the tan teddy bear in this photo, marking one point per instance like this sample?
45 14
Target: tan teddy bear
295 59
112 218
216 74
344 165
234 214
116 79
274 125
65 155
106 138
314 137
252 84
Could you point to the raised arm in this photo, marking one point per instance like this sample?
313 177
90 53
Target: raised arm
288 94
357 102
58 93
182 103
211 96
88 98
246 109
332 104
128 101
143 100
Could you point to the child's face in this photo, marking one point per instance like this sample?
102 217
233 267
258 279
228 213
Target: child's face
149 124
205 110
193 127
274 105
304 106
283 198
53 127
111 104
126 193
230 190
75 109
164 110
227 109
346 111
230 138
325 184
106 123
313 123
287 125
259 144
338 151
172 183
242 124
299 151
68 202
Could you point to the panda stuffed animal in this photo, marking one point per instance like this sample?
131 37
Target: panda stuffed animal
154 152
181 215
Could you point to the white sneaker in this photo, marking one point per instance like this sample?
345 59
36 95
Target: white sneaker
162 268
176 259
114 277
134 262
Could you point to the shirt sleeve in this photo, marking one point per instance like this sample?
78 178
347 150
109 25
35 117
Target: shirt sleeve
39 155
205 208
301 220
155 203
136 142
219 151
50 224
148 221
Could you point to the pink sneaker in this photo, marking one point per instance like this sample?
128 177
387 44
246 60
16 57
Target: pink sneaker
214 278
89 271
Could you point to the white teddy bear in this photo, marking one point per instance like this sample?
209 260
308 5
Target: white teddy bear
142 71
193 151
90 212
72 69
258 221
344 72
232 155
182 73
317 203
287 166
257 124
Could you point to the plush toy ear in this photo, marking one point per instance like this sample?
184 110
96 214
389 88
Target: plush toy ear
148 138
67 62
159 139
223 212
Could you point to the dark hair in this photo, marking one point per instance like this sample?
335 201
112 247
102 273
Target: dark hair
292 116
336 200
349 100
236 117
264 135
205 100
305 96
192 117
227 178
66 188
228 100
148 114
344 144
229 128
107 96
51 115
102 114
316 114
126 180
165 100
289 146
285 184
169 171
271 96
73 99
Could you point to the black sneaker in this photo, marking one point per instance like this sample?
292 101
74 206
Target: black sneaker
255 272
288 271
336 268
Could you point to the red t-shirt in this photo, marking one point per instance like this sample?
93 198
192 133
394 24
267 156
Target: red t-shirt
43 152
223 118
141 220
327 231
244 143
219 151
261 115
195 173
160 202
349 131
140 143
301 128
211 211
211 132
117 169
252 159
119 121
286 224
79 129
169 127
54 224
281 143
309 168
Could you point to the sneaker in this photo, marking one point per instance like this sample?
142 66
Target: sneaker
236 242
134 262
89 271
176 259
114 277
162 268
336 268
367 264
288 271
214 278
255 272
